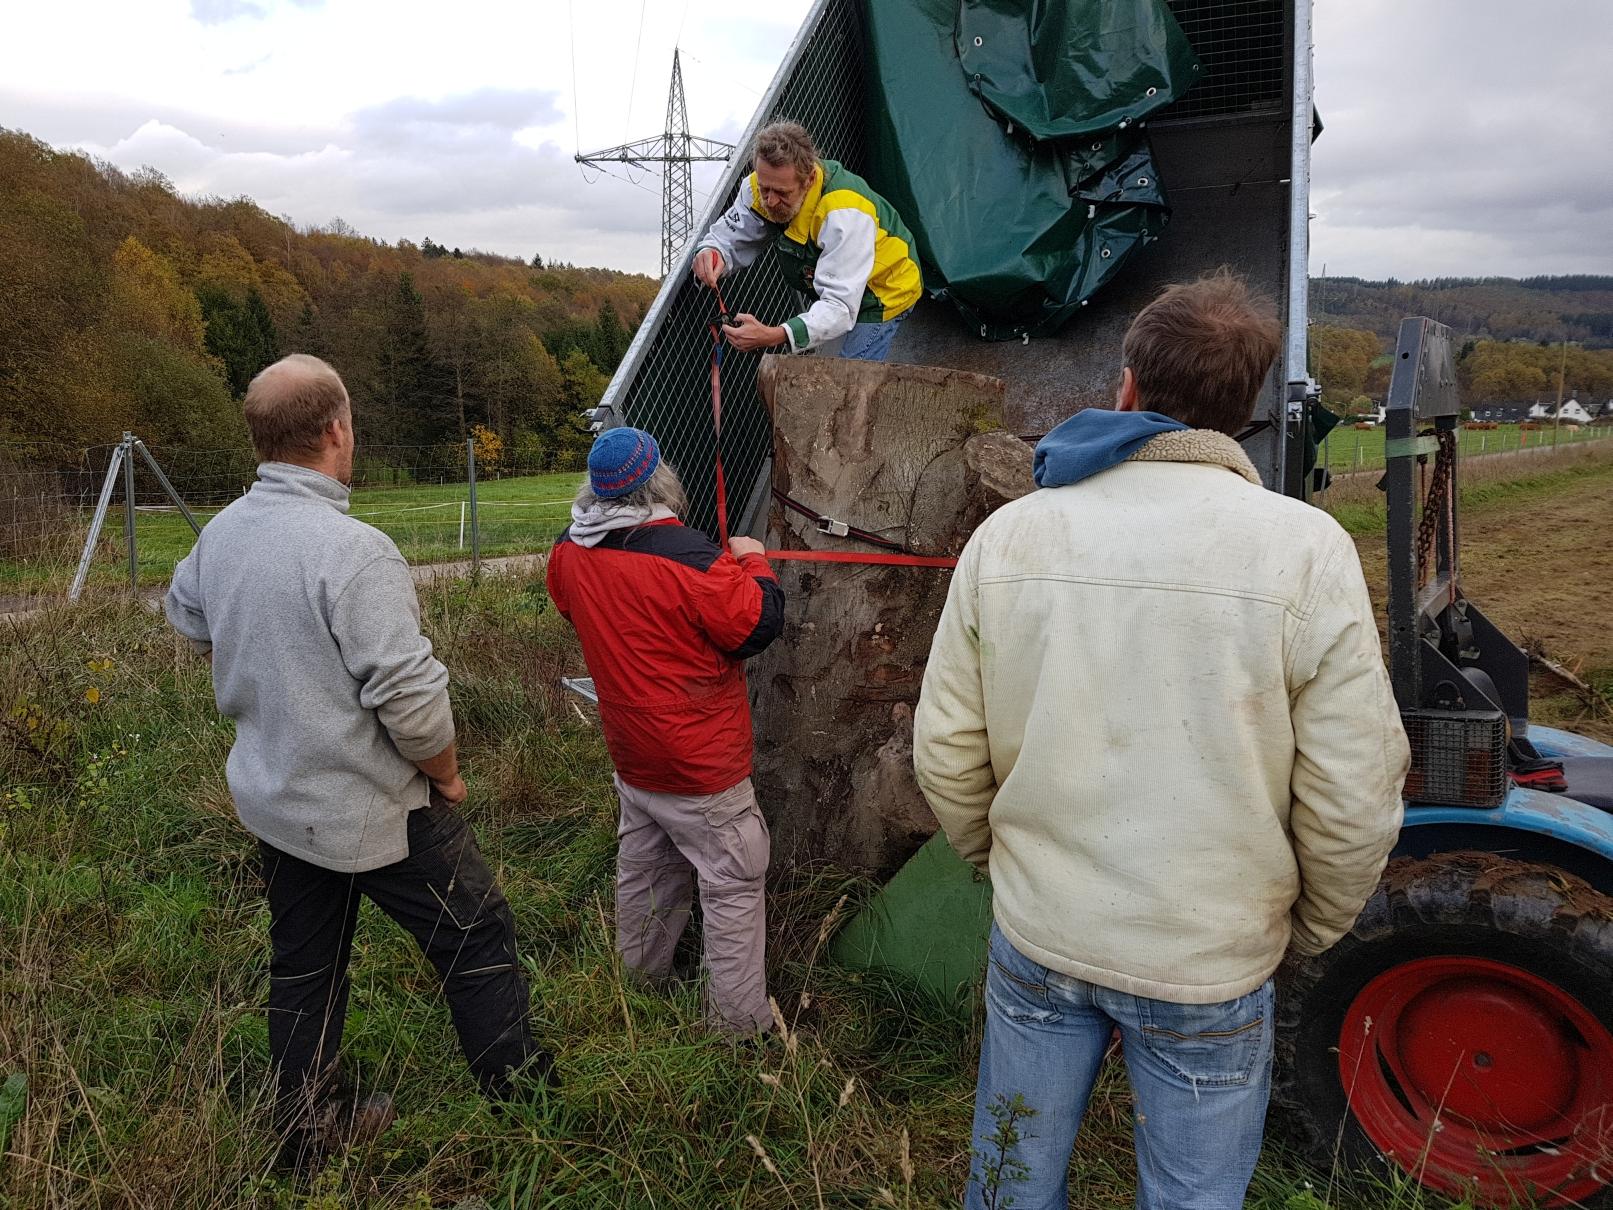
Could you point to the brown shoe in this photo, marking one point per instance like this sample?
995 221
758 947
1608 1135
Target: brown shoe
354 1121
340 1124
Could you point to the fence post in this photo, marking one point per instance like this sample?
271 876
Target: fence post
475 533
101 504
128 510
168 487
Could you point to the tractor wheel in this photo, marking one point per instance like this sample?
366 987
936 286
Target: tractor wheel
1463 1030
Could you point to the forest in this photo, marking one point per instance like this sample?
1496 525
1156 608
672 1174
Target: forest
130 306
1353 364
1578 308
133 307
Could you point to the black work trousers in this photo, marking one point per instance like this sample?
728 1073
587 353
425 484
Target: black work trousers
443 893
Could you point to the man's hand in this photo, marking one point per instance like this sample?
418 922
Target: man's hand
442 771
708 267
740 547
749 333
453 791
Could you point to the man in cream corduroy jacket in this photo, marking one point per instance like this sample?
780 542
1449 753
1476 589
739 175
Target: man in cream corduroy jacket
1157 712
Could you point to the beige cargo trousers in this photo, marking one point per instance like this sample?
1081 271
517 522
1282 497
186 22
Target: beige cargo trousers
667 843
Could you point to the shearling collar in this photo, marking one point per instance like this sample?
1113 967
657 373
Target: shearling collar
1199 445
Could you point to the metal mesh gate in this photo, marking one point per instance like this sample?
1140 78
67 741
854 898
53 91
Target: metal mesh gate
664 382
1242 49
665 385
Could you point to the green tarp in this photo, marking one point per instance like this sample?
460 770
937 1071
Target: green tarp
931 923
1008 134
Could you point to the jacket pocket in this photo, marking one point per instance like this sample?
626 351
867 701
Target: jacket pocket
1210 1045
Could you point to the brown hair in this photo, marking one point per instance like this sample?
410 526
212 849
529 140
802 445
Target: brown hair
787 143
289 404
1201 350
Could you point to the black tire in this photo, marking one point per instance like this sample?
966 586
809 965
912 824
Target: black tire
1549 924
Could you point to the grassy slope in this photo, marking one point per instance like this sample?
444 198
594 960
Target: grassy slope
132 966
1536 559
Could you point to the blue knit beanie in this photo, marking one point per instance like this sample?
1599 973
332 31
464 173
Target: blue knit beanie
622 460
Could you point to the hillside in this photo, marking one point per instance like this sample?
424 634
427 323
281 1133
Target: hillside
1511 332
1577 309
127 305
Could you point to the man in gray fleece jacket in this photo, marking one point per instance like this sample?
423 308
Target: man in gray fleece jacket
343 765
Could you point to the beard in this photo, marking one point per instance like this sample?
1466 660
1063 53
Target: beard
783 214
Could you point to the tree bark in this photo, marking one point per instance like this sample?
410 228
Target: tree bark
914 454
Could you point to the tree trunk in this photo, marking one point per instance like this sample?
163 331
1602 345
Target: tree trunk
916 455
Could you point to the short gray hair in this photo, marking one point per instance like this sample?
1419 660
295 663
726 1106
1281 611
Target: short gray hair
664 488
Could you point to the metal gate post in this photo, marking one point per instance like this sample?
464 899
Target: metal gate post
475 533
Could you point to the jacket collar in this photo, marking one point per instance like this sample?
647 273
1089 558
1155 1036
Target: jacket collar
1199 445
800 228
287 479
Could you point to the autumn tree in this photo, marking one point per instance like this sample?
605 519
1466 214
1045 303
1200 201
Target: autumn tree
126 305
1342 357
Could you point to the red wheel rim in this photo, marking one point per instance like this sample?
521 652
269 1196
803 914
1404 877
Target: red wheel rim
1478 1077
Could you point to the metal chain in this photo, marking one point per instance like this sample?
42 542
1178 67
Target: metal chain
1436 503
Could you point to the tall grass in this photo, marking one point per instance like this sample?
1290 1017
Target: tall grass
133 955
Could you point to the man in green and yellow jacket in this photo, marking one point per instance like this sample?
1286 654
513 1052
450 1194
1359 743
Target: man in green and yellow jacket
832 236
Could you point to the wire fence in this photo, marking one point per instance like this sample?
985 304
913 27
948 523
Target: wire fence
438 503
1349 452
1346 450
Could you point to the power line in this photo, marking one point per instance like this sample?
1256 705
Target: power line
678 150
576 103
638 47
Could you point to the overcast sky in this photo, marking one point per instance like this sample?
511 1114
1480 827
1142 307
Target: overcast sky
1463 136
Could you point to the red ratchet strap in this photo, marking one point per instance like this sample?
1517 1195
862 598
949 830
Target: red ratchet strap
895 557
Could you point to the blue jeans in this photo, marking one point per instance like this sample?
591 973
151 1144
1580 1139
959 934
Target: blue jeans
871 342
1200 1078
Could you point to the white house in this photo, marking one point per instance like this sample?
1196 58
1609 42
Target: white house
1573 412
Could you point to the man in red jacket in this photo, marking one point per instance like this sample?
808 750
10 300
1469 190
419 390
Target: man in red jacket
666 620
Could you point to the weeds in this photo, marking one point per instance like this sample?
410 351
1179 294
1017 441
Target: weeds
133 966
1000 1166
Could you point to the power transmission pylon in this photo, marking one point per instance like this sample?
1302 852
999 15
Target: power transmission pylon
677 149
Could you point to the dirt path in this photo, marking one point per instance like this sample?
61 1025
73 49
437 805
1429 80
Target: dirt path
1541 568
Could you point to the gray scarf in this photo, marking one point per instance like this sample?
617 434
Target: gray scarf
589 525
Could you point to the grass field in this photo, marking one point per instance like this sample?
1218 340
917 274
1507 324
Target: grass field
133 955
514 516
1349 449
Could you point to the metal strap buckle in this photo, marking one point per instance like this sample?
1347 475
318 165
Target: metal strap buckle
835 529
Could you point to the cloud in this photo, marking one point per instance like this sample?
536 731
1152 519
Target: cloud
221 12
454 169
217 12
484 116
248 68
1472 141
1463 137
